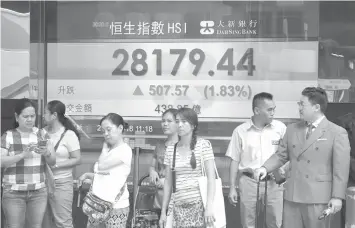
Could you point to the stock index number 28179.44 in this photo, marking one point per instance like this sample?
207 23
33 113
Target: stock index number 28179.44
197 57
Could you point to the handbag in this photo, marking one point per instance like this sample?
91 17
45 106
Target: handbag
170 212
98 209
218 202
158 198
50 182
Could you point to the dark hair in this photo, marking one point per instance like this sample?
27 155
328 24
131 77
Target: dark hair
261 96
173 111
59 108
191 116
21 104
115 119
316 96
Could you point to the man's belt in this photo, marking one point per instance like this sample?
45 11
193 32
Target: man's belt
250 175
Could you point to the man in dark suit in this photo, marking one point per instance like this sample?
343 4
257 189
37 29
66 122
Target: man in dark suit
348 122
319 155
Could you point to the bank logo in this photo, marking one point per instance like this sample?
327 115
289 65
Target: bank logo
207 27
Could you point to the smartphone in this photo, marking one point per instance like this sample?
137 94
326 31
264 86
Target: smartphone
32 146
42 143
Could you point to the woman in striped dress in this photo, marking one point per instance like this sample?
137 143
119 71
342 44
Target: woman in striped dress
188 209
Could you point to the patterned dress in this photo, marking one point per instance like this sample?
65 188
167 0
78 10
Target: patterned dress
188 210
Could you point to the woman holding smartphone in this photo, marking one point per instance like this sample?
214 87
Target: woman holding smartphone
111 172
24 189
157 168
65 137
188 208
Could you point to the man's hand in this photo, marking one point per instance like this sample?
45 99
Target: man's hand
233 196
260 174
335 204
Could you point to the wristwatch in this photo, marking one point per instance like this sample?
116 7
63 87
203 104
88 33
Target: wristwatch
55 166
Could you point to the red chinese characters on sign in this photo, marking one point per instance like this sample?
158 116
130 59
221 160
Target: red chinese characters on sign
144 28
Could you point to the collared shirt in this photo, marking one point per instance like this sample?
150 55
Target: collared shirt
252 146
27 174
316 123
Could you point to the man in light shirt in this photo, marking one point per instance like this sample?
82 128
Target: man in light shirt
252 143
319 155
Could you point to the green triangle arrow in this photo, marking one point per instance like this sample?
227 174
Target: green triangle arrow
138 92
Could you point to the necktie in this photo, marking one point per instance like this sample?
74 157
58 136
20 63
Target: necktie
310 128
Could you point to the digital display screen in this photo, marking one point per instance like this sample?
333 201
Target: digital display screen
139 59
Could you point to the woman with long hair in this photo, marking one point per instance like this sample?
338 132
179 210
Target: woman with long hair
188 208
111 172
25 151
157 168
66 137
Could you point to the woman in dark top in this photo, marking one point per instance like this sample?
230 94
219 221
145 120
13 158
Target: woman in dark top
157 168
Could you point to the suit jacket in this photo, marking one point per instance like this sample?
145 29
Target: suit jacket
348 122
319 166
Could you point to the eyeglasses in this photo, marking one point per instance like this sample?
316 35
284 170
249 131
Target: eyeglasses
301 104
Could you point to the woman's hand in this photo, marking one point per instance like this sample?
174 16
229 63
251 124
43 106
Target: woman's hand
154 177
162 220
81 179
209 217
27 153
43 150
160 183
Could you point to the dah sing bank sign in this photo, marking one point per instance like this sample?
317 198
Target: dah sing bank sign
230 27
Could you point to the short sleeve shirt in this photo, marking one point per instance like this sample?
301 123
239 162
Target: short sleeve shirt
67 145
28 173
251 146
108 184
159 154
187 188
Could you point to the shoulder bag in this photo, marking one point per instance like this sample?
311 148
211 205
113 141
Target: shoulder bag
218 202
50 182
97 209
170 212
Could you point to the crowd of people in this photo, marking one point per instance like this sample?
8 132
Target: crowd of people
305 166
